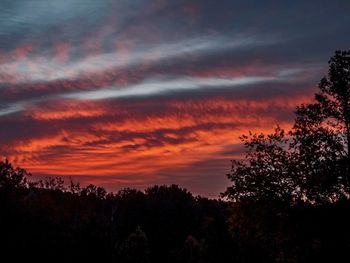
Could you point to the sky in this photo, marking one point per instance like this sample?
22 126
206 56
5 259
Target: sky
122 93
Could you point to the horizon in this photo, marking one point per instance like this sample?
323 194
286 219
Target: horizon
121 94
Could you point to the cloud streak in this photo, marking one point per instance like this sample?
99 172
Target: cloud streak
154 87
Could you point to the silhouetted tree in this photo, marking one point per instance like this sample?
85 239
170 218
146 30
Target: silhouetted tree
93 191
52 183
267 171
11 176
74 187
322 133
309 162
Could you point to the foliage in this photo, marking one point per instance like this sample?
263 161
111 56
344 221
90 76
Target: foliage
266 173
12 177
310 162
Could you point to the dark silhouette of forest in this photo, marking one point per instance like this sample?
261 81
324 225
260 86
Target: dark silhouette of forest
288 202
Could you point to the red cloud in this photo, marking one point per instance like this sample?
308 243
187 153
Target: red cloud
147 147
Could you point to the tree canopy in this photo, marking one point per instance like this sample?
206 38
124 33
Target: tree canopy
311 161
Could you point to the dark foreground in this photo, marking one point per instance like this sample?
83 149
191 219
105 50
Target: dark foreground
47 221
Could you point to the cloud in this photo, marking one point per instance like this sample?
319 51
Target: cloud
154 87
38 68
121 142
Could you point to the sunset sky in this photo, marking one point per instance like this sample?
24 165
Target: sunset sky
134 93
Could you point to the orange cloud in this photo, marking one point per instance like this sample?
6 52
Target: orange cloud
61 110
124 148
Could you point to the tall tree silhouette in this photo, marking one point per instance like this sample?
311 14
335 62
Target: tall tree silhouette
312 160
322 129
